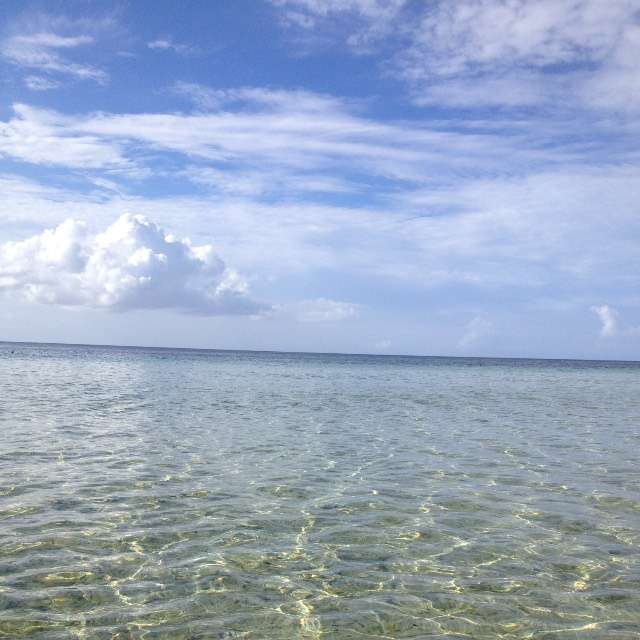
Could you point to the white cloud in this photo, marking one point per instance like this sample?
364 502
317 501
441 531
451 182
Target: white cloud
609 318
368 19
522 53
510 88
435 206
257 183
471 34
167 44
42 51
262 130
492 52
526 234
41 83
475 331
544 220
252 141
366 9
325 310
616 84
47 137
251 99
382 345
271 130
133 264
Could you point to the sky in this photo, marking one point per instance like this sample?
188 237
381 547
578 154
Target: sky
456 177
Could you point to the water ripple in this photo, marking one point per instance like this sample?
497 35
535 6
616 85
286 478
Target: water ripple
176 494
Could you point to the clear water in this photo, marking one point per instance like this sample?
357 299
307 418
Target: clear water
185 494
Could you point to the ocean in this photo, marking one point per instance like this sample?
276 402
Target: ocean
167 493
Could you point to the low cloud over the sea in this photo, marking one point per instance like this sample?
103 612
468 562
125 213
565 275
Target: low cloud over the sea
133 264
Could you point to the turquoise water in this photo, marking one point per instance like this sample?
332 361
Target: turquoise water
192 494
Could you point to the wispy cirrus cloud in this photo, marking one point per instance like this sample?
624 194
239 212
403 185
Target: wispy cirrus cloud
532 52
41 83
48 52
255 98
473 35
255 183
256 130
132 264
45 137
309 12
360 22
168 44
474 53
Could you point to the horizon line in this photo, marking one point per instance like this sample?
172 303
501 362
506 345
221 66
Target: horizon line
316 353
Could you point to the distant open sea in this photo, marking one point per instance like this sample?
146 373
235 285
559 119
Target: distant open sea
167 493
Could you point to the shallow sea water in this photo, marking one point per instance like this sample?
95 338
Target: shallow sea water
191 494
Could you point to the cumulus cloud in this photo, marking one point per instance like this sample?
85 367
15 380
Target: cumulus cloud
133 264
609 318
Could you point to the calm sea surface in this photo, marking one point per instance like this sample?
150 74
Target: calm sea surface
199 494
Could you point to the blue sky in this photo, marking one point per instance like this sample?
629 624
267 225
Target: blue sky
453 177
